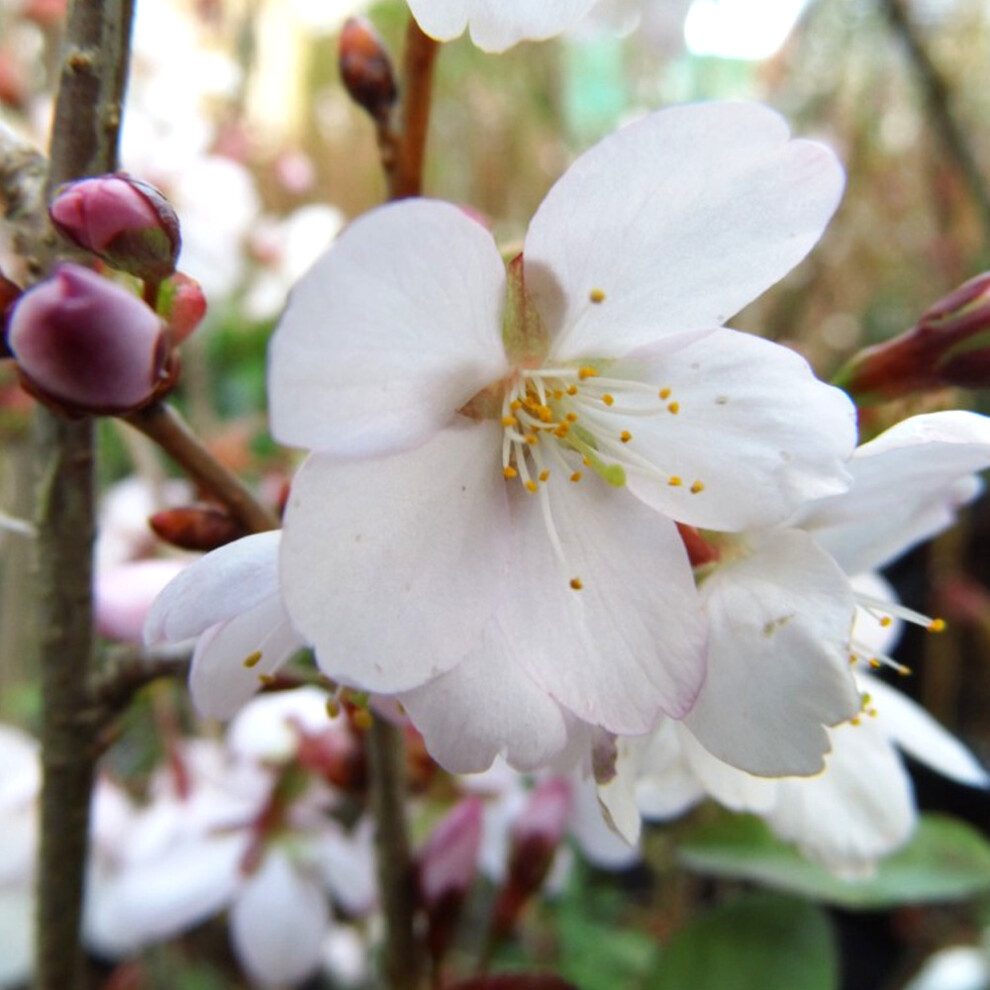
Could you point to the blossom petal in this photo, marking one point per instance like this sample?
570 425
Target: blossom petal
392 568
778 666
752 425
907 485
488 706
216 588
392 330
666 787
278 922
226 669
17 911
917 733
680 219
496 27
727 784
601 844
859 809
629 644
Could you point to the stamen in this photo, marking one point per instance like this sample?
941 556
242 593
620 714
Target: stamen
697 488
596 296
252 659
576 584
586 373
625 436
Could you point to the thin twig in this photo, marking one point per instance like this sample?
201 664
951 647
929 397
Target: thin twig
84 142
396 879
405 171
938 96
165 426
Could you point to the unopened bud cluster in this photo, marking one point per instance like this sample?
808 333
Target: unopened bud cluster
85 344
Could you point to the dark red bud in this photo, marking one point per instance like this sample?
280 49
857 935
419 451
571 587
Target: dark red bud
447 867
950 346
125 221
85 345
366 68
196 527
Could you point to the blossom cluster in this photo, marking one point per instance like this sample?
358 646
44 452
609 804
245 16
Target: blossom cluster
564 515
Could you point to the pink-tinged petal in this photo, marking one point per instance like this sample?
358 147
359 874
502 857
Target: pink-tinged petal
628 644
859 809
666 786
392 330
778 659
498 26
163 896
393 568
680 220
232 660
223 584
278 922
917 733
488 706
124 595
346 862
908 484
752 424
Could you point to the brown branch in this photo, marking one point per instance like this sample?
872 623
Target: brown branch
938 97
23 174
129 669
396 877
163 424
407 146
84 142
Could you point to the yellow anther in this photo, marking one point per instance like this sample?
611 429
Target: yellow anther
515 405
875 664
509 471
625 436
576 584
854 721
266 680
571 417
545 414
572 390
665 393
532 439
532 486
584 373
510 421
674 407
905 671
697 487
558 394
675 481
886 621
596 296
853 658
544 476
586 461
333 707
562 430
576 476
252 659
608 399
872 712
936 625
361 719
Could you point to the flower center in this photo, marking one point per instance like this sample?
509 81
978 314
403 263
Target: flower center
553 416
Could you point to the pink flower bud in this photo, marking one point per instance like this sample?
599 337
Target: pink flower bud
87 345
182 305
950 346
447 868
126 222
535 838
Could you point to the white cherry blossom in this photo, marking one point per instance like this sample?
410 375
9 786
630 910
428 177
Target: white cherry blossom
498 24
486 525
908 484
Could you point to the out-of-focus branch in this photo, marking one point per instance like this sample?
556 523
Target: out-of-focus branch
23 174
405 176
938 97
165 426
396 880
84 142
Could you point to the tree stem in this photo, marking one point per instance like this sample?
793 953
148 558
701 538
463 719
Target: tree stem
84 142
165 426
396 878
